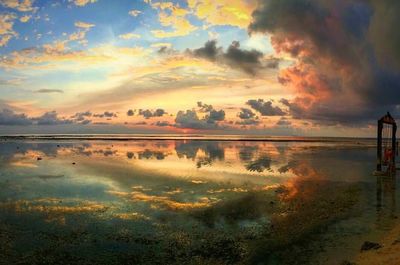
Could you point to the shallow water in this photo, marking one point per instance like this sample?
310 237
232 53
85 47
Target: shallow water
190 201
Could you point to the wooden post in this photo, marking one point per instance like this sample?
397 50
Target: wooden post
394 129
379 146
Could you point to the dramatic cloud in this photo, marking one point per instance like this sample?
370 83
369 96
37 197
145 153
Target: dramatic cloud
9 117
343 56
265 108
248 61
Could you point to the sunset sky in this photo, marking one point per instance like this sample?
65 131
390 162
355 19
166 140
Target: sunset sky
273 67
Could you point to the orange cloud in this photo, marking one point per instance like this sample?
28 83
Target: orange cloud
23 6
25 18
6 28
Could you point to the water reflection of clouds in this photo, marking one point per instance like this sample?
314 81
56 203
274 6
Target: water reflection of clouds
269 158
158 172
282 190
54 209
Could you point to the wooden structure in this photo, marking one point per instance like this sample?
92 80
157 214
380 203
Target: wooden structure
386 148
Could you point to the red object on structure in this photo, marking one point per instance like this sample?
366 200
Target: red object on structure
388 156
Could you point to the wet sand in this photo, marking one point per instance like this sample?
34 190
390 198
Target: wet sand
388 254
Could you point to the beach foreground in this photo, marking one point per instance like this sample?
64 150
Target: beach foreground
194 202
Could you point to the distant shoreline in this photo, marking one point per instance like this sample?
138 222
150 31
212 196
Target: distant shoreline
184 137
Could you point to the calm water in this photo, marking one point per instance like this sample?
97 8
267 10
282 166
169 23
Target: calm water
190 201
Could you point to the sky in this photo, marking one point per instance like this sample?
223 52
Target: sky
263 67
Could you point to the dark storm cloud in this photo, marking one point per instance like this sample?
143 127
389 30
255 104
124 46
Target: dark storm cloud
9 117
210 51
326 114
164 50
249 61
247 117
109 114
245 114
204 107
215 115
147 114
190 119
80 116
51 118
347 56
106 114
265 108
384 31
314 20
49 91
